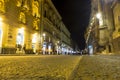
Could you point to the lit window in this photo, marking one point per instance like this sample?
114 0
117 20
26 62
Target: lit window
34 39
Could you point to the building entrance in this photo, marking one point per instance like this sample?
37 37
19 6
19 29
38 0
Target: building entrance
20 41
34 42
0 40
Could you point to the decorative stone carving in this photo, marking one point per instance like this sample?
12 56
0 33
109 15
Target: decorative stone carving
22 17
2 6
35 24
35 9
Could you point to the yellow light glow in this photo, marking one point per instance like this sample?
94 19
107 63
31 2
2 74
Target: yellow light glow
1 37
98 15
1 23
34 39
1 19
44 34
21 30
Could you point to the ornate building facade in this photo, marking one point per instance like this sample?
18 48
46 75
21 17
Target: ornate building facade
101 26
116 33
30 26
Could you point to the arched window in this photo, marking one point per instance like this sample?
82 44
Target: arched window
2 6
22 17
35 7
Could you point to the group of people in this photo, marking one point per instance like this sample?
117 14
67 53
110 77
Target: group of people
20 48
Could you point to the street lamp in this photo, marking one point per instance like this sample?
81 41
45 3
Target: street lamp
98 15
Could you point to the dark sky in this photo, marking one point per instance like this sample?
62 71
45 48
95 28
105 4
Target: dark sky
75 15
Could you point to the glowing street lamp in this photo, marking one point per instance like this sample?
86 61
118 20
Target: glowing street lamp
98 15
44 34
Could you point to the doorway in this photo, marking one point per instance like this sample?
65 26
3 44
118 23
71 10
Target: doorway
0 40
20 40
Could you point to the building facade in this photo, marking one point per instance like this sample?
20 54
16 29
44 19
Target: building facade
101 26
29 26
116 33
65 40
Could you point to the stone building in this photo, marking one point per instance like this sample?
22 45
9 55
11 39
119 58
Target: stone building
101 26
116 33
65 40
29 26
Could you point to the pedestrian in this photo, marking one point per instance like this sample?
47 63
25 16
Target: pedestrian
24 48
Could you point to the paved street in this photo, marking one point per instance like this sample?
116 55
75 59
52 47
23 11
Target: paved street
44 67
98 68
60 67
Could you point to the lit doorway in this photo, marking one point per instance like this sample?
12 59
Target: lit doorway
20 40
34 42
0 40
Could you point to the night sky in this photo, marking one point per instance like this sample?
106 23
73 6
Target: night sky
75 15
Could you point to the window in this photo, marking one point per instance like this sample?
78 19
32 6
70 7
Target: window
45 14
118 18
118 29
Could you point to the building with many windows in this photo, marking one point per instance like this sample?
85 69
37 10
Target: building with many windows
31 26
116 33
101 27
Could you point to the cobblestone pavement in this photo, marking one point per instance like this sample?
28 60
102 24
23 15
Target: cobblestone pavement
98 68
43 67
60 67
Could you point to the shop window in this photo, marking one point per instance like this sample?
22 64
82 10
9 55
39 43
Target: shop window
22 17
2 6
35 7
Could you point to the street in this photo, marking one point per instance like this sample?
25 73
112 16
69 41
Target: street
60 67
